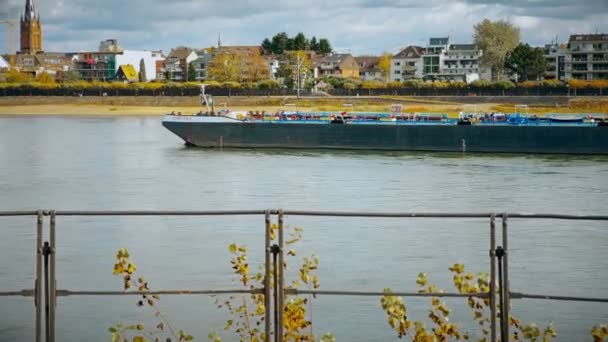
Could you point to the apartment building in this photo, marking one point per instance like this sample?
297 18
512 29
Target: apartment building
587 57
555 56
407 64
443 60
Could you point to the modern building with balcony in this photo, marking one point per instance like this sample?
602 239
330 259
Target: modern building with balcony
555 55
443 60
586 57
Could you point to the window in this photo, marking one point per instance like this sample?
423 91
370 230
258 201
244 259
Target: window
397 63
397 72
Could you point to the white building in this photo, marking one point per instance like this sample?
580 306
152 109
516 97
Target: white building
556 62
273 63
461 63
452 62
134 58
587 57
4 64
407 64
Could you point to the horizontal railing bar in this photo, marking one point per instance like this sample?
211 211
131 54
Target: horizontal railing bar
161 292
18 213
519 295
22 293
514 295
442 215
157 212
300 213
380 293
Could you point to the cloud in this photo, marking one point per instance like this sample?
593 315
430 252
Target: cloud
359 26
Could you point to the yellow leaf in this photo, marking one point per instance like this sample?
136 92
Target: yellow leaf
139 339
118 269
232 248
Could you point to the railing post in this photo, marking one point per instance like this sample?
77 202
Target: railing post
503 317
274 249
506 305
492 294
37 282
46 252
53 280
267 277
281 280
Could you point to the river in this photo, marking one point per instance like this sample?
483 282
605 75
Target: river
134 163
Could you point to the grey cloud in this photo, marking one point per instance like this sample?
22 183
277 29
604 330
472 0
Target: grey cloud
363 26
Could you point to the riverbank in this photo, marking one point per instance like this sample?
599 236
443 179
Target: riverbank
155 106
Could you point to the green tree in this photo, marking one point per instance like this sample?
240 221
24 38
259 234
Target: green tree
300 42
324 46
266 46
191 72
288 68
70 76
526 63
142 71
279 43
495 39
314 44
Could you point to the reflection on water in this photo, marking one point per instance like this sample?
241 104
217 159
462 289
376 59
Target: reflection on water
133 163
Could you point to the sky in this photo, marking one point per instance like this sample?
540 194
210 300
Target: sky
356 26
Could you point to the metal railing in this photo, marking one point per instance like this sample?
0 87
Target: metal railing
500 294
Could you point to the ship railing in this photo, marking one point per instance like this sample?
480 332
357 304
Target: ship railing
46 291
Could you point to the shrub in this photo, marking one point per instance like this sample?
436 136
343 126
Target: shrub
231 85
267 84
413 83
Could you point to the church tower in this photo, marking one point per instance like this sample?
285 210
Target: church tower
31 30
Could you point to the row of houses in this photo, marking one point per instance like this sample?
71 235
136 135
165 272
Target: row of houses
585 57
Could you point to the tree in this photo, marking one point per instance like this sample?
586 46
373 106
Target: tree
385 64
279 43
45 78
314 45
254 68
224 67
191 72
300 42
14 76
71 76
142 71
288 68
266 46
526 63
324 46
495 39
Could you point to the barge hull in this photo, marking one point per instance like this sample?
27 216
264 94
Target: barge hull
446 138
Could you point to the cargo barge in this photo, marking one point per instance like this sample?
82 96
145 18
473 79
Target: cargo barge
495 133
322 131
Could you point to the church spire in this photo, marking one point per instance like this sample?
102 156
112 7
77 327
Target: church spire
219 40
30 10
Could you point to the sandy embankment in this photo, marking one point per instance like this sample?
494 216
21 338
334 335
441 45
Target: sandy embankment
149 105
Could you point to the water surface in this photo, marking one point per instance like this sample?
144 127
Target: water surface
133 163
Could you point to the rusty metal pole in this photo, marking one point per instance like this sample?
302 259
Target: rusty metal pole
492 279
37 282
267 277
53 280
506 305
281 280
